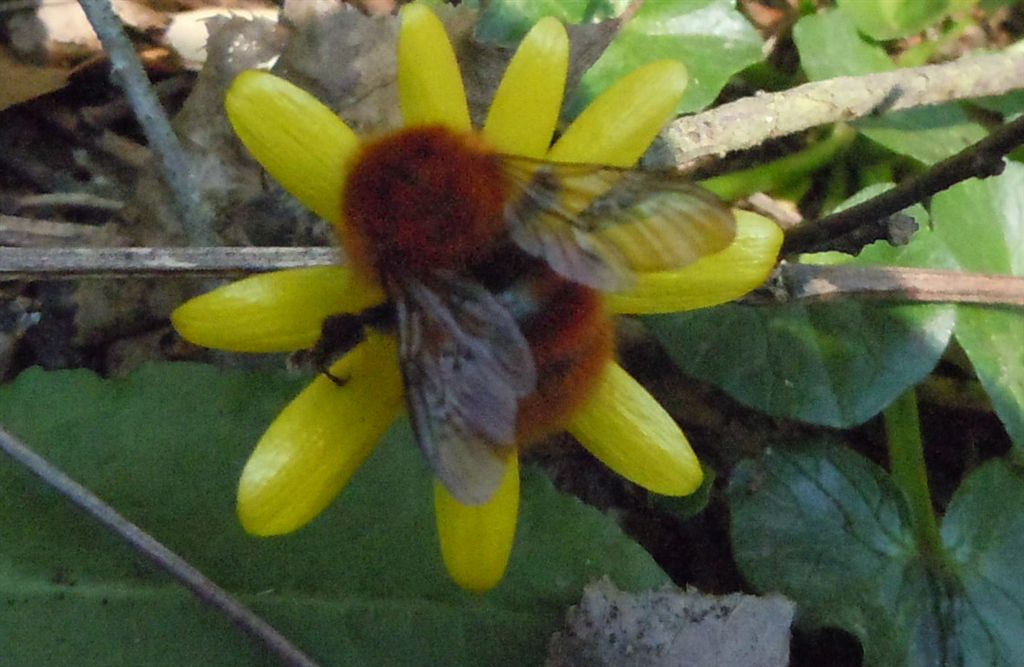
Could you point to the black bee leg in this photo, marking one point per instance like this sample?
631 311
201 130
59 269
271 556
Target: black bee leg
339 334
341 382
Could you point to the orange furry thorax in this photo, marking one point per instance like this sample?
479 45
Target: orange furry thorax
423 198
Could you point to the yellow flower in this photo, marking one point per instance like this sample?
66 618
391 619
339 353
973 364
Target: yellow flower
315 445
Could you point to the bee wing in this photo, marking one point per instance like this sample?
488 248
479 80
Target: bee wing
598 226
466 365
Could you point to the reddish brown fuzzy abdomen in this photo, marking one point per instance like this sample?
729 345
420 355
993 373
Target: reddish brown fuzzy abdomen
572 339
421 199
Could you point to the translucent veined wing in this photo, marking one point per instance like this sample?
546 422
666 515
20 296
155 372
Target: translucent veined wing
466 365
599 226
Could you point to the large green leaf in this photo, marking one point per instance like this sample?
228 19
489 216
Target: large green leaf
836 364
830 46
889 19
710 37
982 222
363 584
828 528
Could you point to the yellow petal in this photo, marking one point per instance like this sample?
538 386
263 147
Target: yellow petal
302 143
619 125
715 279
476 540
429 81
631 433
319 440
525 110
273 312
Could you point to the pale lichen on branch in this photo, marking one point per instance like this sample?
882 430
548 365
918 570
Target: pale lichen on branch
751 121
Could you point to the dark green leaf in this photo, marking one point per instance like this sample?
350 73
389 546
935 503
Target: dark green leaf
1010 105
928 134
836 364
985 537
828 529
982 224
363 584
507 21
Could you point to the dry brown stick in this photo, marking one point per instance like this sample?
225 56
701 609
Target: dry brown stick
73 200
979 160
73 263
811 282
168 561
792 282
752 120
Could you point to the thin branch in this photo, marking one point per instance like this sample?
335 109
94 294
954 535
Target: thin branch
127 70
74 263
792 282
194 580
72 200
979 160
816 283
20 231
630 11
752 120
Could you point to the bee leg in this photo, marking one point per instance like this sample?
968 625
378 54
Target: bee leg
341 382
339 334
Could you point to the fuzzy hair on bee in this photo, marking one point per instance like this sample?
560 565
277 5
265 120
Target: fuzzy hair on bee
493 265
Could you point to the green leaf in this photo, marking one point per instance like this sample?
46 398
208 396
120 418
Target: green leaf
928 135
890 19
1010 105
507 21
363 584
825 527
829 529
835 364
710 37
981 222
985 537
830 46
